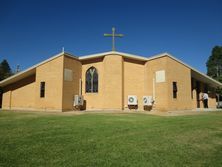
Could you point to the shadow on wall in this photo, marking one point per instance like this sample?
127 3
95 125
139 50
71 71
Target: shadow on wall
0 98
133 107
79 107
148 108
212 95
84 105
20 83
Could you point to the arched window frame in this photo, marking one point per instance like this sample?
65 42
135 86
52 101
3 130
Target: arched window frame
91 80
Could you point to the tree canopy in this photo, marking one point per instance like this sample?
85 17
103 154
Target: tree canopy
5 70
214 65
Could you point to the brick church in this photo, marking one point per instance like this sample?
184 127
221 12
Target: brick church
108 81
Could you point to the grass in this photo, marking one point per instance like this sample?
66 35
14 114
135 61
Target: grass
92 140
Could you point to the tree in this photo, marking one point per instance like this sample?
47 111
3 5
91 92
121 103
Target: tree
5 70
214 65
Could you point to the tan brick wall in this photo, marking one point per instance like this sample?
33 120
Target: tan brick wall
113 82
20 94
52 74
71 88
6 99
134 73
110 93
194 99
110 71
93 100
176 72
158 90
212 101
118 78
19 98
163 91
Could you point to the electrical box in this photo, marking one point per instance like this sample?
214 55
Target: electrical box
132 100
78 100
148 100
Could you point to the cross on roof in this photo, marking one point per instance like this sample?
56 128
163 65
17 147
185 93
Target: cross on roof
113 35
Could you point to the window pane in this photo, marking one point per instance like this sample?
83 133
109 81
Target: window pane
175 86
95 82
42 89
88 81
91 80
174 90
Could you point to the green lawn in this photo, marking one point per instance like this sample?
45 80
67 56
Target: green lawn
92 140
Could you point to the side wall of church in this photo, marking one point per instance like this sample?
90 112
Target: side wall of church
176 72
72 73
93 100
118 77
133 82
52 74
25 93
110 92
20 95
155 88
113 82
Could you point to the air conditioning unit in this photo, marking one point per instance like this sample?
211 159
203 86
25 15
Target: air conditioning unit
132 100
78 100
148 100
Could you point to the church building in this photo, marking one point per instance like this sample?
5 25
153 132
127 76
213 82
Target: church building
108 81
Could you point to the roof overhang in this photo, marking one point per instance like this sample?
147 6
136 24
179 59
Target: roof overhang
199 75
17 77
205 79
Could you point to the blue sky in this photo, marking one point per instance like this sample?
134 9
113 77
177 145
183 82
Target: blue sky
34 30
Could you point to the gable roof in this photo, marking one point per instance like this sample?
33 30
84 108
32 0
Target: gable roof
31 71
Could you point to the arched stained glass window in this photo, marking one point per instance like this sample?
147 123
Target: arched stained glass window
92 80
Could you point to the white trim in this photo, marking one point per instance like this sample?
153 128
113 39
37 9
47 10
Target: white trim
110 53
